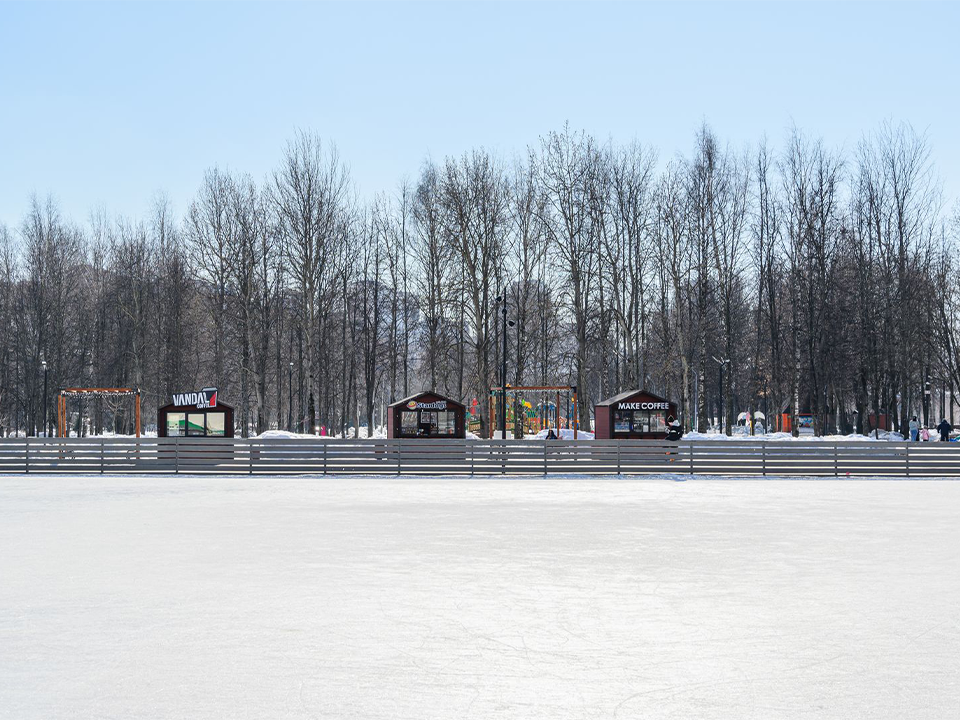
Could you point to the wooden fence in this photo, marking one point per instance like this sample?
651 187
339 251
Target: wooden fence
475 457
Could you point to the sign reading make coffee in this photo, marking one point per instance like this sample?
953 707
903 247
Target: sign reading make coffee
206 398
643 406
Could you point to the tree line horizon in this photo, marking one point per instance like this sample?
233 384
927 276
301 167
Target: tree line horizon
794 279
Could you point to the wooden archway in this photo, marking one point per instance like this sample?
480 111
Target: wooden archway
94 392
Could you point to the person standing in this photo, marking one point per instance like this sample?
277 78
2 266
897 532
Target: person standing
914 429
674 429
944 428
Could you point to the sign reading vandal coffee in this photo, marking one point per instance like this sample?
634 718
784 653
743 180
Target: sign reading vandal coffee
206 398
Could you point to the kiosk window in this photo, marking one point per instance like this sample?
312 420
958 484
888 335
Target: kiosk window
639 421
621 420
215 424
428 422
648 421
175 424
446 423
195 424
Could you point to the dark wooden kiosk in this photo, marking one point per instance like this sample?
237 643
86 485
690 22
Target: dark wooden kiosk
426 415
195 414
635 414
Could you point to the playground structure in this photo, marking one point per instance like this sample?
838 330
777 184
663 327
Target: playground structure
535 418
66 393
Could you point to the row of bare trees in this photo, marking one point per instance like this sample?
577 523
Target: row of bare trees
794 280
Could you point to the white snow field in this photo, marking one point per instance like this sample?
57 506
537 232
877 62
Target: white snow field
368 598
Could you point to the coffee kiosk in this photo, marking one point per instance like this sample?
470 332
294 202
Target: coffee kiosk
195 414
636 414
426 415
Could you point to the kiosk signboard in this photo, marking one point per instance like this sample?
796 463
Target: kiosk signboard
206 398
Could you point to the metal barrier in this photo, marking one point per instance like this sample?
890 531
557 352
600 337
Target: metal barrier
277 456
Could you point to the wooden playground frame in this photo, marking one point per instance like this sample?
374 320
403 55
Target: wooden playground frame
572 389
65 393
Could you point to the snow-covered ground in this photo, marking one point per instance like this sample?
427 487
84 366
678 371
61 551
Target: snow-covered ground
742 435
564 433
179 597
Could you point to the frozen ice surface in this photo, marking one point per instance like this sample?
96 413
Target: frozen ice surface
368 598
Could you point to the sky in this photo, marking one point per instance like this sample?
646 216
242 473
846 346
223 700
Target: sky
103 106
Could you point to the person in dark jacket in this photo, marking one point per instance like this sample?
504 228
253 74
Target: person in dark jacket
944 427
674 429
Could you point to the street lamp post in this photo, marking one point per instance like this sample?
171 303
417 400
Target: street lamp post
501 300
290 398
721 363
44 363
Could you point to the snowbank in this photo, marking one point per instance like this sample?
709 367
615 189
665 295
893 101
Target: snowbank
780 436
285 434
565 434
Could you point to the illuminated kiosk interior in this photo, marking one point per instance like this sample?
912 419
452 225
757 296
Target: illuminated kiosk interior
635 414
426 415
195 414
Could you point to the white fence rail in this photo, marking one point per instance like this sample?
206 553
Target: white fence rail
475 457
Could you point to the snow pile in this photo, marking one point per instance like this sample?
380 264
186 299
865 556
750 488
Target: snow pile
287 435
565 434
781 436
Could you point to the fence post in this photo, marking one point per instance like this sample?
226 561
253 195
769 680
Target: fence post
399 457
619 471
544 458
471 446
323 444
691 456
250 456
763 457
26 454
836 461
176 455
906 448
101 455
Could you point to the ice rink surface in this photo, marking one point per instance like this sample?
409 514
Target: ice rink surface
365 598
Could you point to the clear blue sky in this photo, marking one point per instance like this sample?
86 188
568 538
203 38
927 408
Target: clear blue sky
108 104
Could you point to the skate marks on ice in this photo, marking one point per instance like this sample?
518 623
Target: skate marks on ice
438 598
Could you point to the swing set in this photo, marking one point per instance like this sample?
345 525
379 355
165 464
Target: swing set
66 393
542 418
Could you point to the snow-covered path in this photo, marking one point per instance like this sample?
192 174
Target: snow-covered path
413 598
